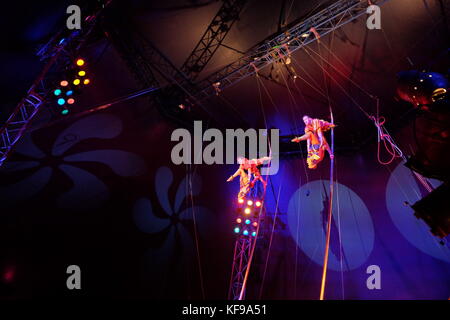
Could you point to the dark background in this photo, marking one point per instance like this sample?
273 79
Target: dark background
101 191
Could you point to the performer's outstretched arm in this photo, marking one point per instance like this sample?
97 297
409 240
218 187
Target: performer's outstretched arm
306 136
260 161
238 172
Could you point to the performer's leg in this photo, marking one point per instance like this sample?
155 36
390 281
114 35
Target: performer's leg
327 147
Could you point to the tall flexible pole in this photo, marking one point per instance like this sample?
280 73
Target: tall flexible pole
330 213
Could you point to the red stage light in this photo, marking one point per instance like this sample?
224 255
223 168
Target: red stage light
255 224
8 275
238 220
64 83
71 101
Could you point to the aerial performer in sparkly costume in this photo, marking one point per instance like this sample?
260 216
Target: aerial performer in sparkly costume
249 175
315 139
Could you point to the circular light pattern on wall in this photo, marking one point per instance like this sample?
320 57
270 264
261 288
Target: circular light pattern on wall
307 212
403 187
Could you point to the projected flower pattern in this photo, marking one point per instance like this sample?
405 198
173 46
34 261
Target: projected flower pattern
173 222
41 165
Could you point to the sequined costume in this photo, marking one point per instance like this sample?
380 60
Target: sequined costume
316 142
249 175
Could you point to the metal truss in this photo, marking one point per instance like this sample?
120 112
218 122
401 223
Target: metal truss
152 68
244 247
132 55
56 52
213 37
274 49
242 252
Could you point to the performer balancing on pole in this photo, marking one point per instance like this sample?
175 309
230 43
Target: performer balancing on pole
250 176
315 139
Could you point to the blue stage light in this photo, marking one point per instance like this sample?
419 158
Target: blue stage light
245 232
247 221
69 93
61 101
57 92
237 230
254 233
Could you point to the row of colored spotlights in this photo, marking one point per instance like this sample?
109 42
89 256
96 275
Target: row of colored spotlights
65 93
247 221
250 202
245 232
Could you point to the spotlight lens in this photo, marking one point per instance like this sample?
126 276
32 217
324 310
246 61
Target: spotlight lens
80 62
236 230
249 202
247 210
86 81
247 221
70 101
241 200
65 111
238 220
64 83
69 93
254 233
57 92
82 73
76 82
61 101
258 203
255 224
245 233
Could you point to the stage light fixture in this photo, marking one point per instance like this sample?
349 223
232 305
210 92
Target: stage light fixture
258 203
249 202
69 93
76 82
247 221
64 83
247 210
422 88
71 101
80 62
61 101
57 92
241 200
82 73
255 224
245 232
86 81
254 233
65 111
237 230
238 220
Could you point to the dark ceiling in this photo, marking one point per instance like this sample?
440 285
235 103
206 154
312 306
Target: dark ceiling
345 69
